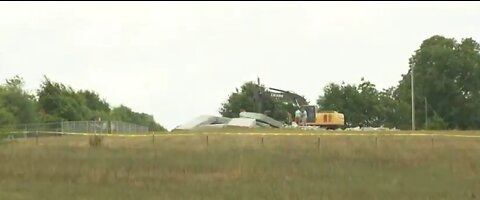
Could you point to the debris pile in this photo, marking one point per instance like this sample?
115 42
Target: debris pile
370 129
255 120
204 120
262 119
245 119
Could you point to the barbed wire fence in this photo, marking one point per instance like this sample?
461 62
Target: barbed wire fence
59 128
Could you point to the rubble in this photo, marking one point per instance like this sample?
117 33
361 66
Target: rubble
202 121
212 126
262 118
255 120
370 129
246 119
263 125
242 122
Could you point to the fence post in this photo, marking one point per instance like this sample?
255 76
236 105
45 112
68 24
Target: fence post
36 137
262 141
62 127
207 140
153 137
26 131
376 141
432 140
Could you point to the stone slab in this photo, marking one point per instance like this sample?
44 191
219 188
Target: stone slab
242 122
263 125
212 126
262 118
202 120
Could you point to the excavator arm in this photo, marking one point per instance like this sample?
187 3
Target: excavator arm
290 97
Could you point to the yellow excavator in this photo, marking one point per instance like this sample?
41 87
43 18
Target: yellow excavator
315 117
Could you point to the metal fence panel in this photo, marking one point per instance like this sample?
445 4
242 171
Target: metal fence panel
112 127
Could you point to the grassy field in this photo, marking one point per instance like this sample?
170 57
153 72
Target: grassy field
242 167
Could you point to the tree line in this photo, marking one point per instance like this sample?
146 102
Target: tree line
446 76
55 102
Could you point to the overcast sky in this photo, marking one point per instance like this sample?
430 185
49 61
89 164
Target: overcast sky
178 60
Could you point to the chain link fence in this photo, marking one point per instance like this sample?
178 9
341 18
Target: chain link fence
109 127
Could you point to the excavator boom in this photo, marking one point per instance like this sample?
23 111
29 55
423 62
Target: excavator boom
287 96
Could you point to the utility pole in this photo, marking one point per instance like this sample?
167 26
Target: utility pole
259 98
413 102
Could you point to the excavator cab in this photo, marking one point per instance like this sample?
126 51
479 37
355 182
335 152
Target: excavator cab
311 113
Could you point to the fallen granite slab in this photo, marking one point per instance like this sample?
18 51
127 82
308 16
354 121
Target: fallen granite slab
221 120
263 125
262 118
211 126
202 120
242 122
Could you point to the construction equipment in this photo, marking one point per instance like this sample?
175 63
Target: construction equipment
315 117
327 119
287 96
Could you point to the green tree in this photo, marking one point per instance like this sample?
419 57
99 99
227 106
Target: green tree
97 108
395 113
16 105
124 113
254 98
436 123
371 110
243 99
342 98
58 102
446 74
363 105
6 117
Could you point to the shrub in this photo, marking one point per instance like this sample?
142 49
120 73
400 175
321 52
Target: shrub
95 141
4 132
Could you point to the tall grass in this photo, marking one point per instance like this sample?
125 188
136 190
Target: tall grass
95 140
241 167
